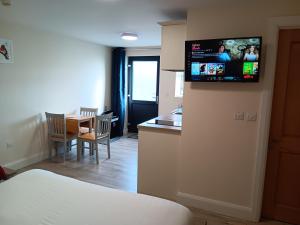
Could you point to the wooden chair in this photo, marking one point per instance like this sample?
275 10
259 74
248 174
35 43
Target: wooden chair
100 134
84 111
57 132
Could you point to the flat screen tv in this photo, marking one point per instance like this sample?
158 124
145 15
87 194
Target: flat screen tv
225 60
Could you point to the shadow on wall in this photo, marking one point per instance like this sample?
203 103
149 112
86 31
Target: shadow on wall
32 135
226 86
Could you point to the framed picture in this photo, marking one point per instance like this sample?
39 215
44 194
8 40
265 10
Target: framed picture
6 54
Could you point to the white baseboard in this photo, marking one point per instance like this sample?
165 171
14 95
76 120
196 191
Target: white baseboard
220 207
18 164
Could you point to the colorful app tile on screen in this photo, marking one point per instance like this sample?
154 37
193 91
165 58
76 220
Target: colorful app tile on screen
255 68
212 69
248 68
195 69
220 69
203 68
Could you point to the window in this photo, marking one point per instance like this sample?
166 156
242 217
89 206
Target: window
179 84
144 80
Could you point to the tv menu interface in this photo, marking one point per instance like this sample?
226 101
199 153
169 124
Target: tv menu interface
223 59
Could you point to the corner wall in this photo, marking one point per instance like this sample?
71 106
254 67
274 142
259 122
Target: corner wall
167 100
52 73
217 157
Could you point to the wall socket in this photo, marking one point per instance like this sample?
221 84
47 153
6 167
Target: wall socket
4 145
251 116
9 145
239 116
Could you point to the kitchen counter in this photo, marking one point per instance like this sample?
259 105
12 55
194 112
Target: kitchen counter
158 149
172 122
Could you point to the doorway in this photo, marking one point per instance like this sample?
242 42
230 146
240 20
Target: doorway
143 90
282 183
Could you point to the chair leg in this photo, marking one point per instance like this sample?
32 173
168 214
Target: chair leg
69 146
91 148
56 148
50 149
79 143
97 153
75 144
82 147
108 147
65 150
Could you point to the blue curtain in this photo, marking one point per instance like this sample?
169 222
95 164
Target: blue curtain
118 87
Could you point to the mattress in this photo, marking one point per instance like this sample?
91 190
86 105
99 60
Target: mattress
39 197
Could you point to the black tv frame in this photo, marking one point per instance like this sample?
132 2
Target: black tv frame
188 77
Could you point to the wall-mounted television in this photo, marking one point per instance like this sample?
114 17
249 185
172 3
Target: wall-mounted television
225 60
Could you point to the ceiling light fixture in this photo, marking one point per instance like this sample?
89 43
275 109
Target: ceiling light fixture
129 36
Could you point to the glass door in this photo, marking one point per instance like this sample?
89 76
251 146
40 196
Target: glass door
143 90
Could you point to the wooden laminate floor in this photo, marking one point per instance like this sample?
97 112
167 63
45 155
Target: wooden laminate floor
120 172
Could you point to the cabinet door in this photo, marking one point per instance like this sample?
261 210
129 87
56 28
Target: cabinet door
173 47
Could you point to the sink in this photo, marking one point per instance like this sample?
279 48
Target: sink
168 122
174 120
164 122
177 113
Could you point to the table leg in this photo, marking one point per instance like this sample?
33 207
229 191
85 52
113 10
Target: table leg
79 143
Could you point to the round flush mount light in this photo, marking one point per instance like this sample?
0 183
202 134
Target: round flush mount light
129 36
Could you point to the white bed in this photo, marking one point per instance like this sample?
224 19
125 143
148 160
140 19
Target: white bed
39 197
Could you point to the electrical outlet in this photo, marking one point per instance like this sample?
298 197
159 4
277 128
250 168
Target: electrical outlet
239 116
251 116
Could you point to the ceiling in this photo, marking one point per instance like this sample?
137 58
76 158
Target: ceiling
99 21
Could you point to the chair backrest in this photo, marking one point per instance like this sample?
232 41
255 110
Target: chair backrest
56 124
103 125
84 111
107 112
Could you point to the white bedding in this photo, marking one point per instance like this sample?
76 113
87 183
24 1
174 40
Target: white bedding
39 197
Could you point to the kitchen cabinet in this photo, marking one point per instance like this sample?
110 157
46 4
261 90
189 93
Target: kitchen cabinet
173 46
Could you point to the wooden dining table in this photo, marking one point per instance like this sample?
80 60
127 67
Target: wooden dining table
75 123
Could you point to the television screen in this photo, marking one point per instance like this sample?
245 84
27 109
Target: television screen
231 60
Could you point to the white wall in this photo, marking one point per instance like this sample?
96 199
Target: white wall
167 100
154 51
50 73
217 157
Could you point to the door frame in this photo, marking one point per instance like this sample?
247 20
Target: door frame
273 27
129 83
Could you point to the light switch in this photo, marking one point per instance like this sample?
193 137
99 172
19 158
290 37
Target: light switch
251 116
239 116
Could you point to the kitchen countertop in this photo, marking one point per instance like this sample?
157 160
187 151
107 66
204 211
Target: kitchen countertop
151 124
